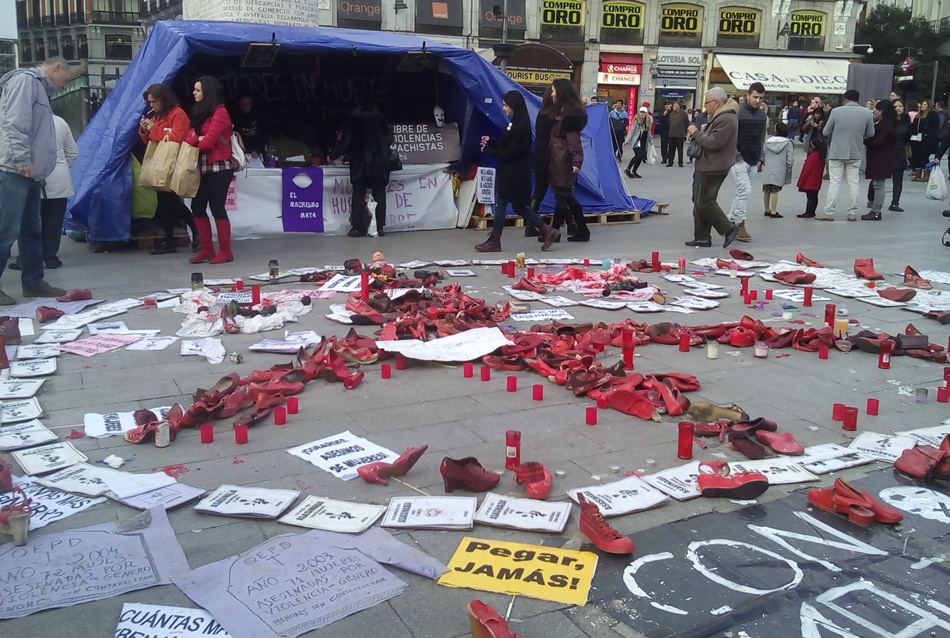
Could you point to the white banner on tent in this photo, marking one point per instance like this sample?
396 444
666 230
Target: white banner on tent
419 197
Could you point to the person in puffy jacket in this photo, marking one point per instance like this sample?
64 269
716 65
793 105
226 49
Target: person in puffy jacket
566 155
167 119
902 139
810 179
211 133
776 168
880 155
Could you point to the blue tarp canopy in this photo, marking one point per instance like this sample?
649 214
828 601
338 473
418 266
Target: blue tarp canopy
103 176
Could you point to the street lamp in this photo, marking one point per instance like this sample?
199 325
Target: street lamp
901 50
870 49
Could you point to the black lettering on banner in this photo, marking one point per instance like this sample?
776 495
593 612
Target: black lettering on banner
622 15
738 22
564 13
808 24
680 19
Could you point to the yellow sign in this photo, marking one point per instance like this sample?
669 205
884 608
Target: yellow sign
547 573
622 15
808 24
563 13
535 76
681 18
738 21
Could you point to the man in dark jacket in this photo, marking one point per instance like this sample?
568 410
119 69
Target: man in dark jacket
678 123
792 117
750 145
663 130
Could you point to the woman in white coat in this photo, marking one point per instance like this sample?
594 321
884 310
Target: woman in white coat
58 188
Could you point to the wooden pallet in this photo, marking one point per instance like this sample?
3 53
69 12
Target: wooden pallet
660 209
182 240
599 219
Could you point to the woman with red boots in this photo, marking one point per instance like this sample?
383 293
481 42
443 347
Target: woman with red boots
211 133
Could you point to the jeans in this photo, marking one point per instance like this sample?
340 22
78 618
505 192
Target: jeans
850 170
676 145
501 211
664 147
742 173
878 203
359 212
213 192
20 222
706 210
52 214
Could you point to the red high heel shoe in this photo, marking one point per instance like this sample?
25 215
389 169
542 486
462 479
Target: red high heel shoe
527 286
716 481
805 261
536 478
378 472
486 623
913 278
466 474
598 530
15 518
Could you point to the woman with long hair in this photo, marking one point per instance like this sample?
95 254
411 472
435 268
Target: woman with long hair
543 124
211 133
639 139
901 125
167 119
366 141
566 155
880 155
923 132
513 177
816 150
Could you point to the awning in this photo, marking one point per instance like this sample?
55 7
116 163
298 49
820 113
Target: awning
786 75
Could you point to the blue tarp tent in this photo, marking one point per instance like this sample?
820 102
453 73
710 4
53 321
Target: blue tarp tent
103 175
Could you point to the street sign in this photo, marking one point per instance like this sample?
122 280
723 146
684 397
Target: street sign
907 65
905 78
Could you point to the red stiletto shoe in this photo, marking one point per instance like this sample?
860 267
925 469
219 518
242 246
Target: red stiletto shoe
466 474
378 472
598 530
536 479
805 261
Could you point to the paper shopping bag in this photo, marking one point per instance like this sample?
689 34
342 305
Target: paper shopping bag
187 175
159 166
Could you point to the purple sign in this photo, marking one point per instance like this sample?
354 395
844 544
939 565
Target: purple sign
302 209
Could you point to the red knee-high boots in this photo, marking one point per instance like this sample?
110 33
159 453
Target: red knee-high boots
206 250
224 242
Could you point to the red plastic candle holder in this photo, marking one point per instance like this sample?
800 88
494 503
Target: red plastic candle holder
468 369
239 284
512 383
822 352
655 262
364 286
873 406
768 295
512 449
943 394
587 263
684 441
628 358
602 402
386 371
353 380
400 361
744 286
280 415
537 392
837 411
591 416
207 432
486 373
293 405
850 421
684 343
255 294
809 291
511 270
240 433
530 273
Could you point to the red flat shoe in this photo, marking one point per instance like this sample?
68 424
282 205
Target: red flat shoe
466 474
45 314
633 402
536 478
882 513
913 278
895 294
511 362
486 623
824 499
796 277
716 481
76 295
526 285
219 391
737 253
673 400
252 417
864 269
783 443
235 402
805 261
598 530
921 461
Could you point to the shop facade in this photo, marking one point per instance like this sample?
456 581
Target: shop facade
678 77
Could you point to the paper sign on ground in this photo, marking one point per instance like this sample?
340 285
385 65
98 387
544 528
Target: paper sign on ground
40 351
25 326
164 497
273 345
882 447
83 319
160 621
930 436
341 283
48 505
543 315
412 265
631 494
153 344
342 453
679 482
547 573
604 304
94 480
780 470
830 457
58 336
252 502
464 346
523 295
436 512
317 512
107 326
244 296
558 302
17 411
451 272
523 513
28 309
48 458
20 388
92 563
14 437
797 295
32 368
645 306
288 586
91 346
99 426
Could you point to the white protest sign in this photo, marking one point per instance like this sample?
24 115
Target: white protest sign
48 458
543 315
32 368
523 513
342 453
153 344
40 351
14 437
930 436
631 494
882 447
464 346
485 185
780 470
830 457
22 410
431 512
20 389
58 336
342 283
48 504
164 497
158 621
253 502
679 482
107 326
317 512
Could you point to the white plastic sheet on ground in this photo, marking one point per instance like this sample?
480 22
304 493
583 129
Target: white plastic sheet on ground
465 346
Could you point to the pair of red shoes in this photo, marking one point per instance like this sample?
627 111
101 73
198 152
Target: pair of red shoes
149 426
926 462
860 507
715 480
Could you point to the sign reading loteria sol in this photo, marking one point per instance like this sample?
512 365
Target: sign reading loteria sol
681 19
738 21
807 24
622 15
563 13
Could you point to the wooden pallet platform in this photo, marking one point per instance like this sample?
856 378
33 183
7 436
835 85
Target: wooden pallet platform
660 209
146 241
598 219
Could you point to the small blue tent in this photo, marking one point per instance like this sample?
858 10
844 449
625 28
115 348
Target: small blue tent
103 175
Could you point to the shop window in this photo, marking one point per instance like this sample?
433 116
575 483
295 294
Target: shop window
53 46
622 23
681 25
69 49
807 31
40 49
119 47
83 46
739 27
492 17
440 17
26 50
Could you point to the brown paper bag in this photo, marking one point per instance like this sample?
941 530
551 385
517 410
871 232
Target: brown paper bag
159 165
187 174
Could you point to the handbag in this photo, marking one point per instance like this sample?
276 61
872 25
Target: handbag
187 174
395 164
694 149
238 156
158 165
937 184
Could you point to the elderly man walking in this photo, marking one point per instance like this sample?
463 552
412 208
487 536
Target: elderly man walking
848 126
750 145
718 139
27 157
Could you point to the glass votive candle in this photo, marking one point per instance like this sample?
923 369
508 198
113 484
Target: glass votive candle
850 421
921 395
760 350
712 350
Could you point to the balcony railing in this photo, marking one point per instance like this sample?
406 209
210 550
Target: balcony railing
115 17
942 25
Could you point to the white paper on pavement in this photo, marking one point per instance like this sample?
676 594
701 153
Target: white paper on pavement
93 480
32 368
17 411
159 621
830 457
83 319
38 351
558 302
288 586
107 326
797 295
21 435
431 512
48 458
58 336
341 283
543 315
99 426
628 495
930 436
28 309
251 502
452 272
451 262
48 505
604 304
208 347
779 470
342 453
303 337
523 295
164 497
318 512
243 296
523 513
412 265
679 482
882 447
91 563
273 345
398 293
20 388
153 344
465 346
25 326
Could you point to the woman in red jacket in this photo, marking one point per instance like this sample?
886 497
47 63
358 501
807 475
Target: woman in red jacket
211 133
167 120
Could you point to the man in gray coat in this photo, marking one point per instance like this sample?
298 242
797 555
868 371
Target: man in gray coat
27 157
848 126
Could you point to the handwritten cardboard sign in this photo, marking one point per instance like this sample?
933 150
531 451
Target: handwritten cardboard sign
342 453
485 185
546 573
91 346
159 621
48 504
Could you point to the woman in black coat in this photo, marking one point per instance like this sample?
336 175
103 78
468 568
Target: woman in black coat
543 124
513 175
566 155
880 155
366 140
923 133
902 135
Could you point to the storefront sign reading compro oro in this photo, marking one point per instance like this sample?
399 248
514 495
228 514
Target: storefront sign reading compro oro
563 13
738 21
291 13
622 15
806 24
680 18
